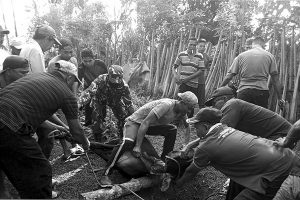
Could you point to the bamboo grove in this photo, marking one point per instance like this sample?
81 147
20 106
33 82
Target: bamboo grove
282 45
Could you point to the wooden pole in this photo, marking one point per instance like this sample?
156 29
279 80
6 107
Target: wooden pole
151 66
294 102
122 189
157 72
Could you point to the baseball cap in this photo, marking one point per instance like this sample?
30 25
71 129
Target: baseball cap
68 67
17 43
208 114
14 62
47 31
188 98
219 92
116 70
4 31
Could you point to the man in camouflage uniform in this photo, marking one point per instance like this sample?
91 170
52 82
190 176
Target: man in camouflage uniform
108 89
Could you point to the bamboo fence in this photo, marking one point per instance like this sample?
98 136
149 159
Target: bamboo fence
162 56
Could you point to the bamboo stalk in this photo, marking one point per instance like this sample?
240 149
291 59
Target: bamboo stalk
216 53
151 66
165 68
157 73
141 53
294 101
169 75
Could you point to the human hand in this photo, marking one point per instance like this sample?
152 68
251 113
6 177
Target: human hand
136 151
281 104
63 128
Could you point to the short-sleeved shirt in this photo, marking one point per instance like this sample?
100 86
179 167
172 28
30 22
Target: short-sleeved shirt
35 56
248 160
162 108
33 99
254 67
254 119
52 62
189 66
91 73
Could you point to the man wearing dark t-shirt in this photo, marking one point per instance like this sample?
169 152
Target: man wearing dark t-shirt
249 118
25 105
254 68
251 161
89 70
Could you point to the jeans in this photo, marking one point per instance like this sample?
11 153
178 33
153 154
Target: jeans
255 96
24 164
290 189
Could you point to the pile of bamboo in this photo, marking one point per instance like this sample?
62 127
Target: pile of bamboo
162 57
160 61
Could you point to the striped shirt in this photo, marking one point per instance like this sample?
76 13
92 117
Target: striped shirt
35 98
189 66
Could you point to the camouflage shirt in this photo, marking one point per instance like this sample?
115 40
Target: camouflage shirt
101 91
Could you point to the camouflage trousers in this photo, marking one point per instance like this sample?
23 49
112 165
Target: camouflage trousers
98 118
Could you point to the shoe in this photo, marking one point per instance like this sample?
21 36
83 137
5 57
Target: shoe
105 181
54 183
55 194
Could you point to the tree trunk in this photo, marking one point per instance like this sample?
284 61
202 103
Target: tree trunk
122 189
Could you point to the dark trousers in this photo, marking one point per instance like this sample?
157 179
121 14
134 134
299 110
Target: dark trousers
168 131
88 114
99 114
257 97
44 141
271 190
24 164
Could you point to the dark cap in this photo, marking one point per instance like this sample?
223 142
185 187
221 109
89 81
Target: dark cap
208 114
46 30
14 62
219 92
4 31
64 43
116 69
85 53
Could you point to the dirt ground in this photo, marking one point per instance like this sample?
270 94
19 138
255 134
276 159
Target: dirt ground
75 177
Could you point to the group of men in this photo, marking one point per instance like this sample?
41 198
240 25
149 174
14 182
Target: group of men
235 135
31 96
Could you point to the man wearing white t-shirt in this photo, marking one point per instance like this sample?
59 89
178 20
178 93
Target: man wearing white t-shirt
43 39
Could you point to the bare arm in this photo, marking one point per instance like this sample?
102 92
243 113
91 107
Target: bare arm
77 133
227 78
142 131
293 136
192 144
277 85
174 71
56 120
49 125
195 75
188 175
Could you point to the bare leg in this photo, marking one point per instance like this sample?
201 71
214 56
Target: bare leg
66 150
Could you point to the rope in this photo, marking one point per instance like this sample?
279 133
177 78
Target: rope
90 164
92 168
135 194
